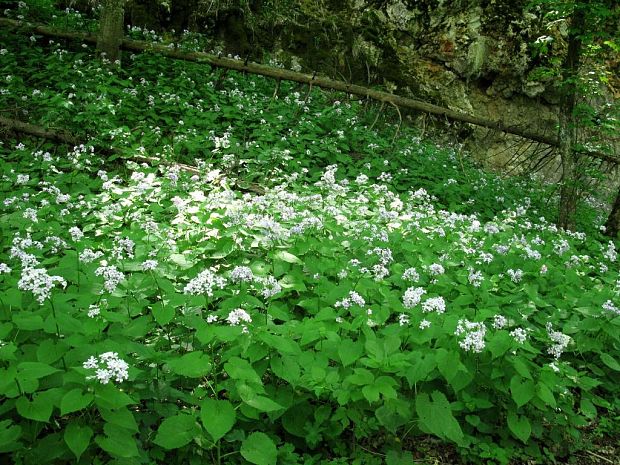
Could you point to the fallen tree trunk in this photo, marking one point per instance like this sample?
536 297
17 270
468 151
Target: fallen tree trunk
318 81
65 137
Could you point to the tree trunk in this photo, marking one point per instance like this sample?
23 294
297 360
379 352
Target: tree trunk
567 134
111 26
612 226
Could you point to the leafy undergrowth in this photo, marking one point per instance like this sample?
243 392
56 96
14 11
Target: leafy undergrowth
315 293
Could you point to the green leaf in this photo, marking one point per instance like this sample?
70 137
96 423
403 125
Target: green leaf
9 435
286 257
520 426
40 409
399 458
544 393
109 396
610 362
436 416
74 400
193 365
163 313
258 448
218 417
253 399
176 431
117 442
35 370
77 438
350 351
238 368
522 391
121 417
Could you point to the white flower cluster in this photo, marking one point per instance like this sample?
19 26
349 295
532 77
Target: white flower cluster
108 366
474 333
37 281
413 296
111 275
610 254
560 340
149 265
205 283
352 299
609 306
89 255
4 268
515 275
123 246
475 277
238 316
519 335
76 233
411 274
241 274
436 269
499 322
271 286
403 320
434 304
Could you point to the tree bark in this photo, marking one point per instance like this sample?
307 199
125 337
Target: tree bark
111 26
567 133
612 225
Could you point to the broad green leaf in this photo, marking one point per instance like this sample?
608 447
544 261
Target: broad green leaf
163 313
193 365
35 370
610 362
75 400
350 351
253 399
258 448
218 417
522 390
544 393
40 409
399 458
436 416
176 431
117 442
77 438
9 434
286 257
120 417
109 396
238 368
520 426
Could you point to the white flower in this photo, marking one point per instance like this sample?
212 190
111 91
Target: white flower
204 283
474 333
609 306
475 278
212 318
93 311
436 269
424 324
89 255
352 299
111 275
22 179
410 274
108 366
519 335
412 296
241 274
434 304
560 340
499 321
4 268
515 275
271 286
37 281
76 233
237 316
149 265
123 246
31 214
403 320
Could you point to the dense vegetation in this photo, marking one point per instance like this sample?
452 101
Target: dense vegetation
314 291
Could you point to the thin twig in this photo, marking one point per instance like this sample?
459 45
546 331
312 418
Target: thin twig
400 122
377 117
